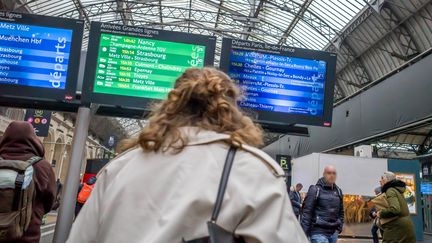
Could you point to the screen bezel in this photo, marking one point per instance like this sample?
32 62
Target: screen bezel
49 94
280 118
89 96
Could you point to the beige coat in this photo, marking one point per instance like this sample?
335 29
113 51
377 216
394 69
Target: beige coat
163 197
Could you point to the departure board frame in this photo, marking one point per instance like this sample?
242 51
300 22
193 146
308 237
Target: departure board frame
133 102
30 95
274 119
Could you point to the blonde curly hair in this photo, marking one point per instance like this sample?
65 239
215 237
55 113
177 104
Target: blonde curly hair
205 98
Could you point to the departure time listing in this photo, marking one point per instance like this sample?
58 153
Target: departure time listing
279 83
141 67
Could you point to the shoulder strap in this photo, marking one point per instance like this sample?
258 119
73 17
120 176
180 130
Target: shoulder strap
34 160
223 182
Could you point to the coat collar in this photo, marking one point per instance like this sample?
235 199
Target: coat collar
197 136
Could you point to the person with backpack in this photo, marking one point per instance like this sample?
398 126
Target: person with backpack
84 192
27 184
323 212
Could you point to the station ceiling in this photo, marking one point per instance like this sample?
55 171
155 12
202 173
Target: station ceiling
371 37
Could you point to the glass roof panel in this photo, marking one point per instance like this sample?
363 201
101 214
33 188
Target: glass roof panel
303 23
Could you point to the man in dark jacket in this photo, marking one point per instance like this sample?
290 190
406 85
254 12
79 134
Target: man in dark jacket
21 143
323 213
296 199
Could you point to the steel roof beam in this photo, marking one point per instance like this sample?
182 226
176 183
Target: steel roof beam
353 25
310 18
233 13
301 12
146 9
124 11
255 15
82 13
426 145
377 42
22 7
19 6
409 47
218 13
296 19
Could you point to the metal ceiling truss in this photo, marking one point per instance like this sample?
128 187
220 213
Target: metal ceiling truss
408 45
396 26
255 29
366 12
19 6
310 18
389 148
255 15
81 13
301 12
125 13
426 146
339 93
218 13
296 19
226 17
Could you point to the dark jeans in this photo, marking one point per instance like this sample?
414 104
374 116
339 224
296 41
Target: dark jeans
320 238
78 208
374 231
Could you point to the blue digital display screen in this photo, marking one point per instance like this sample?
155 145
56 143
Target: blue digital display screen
279 83
426 188
34 56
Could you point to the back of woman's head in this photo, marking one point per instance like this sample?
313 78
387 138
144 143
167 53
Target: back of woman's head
205 98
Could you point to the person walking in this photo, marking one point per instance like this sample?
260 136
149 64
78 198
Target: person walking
400 228
84 192
164 189
20 144
296 200
373 214
59 190
323 212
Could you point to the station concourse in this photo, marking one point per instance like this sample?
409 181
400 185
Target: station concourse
324 109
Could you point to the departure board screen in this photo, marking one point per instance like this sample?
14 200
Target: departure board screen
131 66
39 60
142 67
34 56
279 83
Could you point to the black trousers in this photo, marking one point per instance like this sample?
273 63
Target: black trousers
374 231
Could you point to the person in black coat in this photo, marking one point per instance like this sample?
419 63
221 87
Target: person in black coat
323 212
296 200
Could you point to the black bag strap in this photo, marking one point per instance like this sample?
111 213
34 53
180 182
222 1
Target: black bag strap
223 183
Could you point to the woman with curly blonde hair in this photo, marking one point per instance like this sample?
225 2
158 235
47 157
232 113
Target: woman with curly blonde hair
162 189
